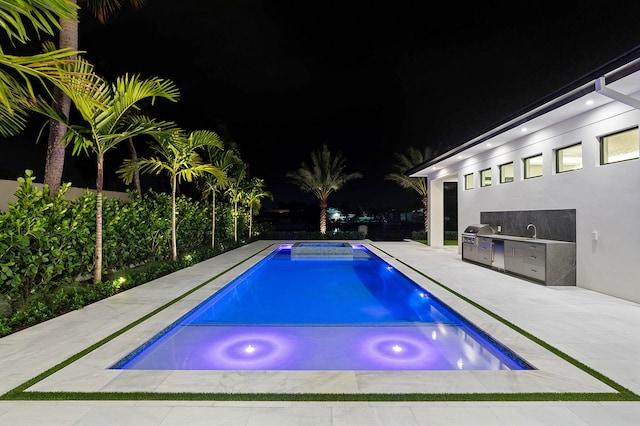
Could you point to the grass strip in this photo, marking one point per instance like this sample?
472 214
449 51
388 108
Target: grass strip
320 397
17 391
624 393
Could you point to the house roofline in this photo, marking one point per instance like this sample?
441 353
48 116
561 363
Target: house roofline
617 68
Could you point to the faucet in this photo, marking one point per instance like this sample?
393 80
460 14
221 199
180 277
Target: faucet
535 231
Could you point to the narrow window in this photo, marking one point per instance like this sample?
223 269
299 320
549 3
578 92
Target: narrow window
569 158
485 177
506 172
533 166
468 181
620 146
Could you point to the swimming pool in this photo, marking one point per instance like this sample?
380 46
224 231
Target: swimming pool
322 312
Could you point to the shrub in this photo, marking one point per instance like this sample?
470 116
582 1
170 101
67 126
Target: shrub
419 235
45 241
47 247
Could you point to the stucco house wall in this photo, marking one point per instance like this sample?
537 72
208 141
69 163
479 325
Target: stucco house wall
606 198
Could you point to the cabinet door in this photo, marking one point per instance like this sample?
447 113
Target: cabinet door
470 252
513 257
484 250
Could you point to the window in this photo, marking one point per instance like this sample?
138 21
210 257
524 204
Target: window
569 158
620 146
506 172
533 166
485 177
468 181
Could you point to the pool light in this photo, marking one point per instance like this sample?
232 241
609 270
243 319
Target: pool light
397 348
249 349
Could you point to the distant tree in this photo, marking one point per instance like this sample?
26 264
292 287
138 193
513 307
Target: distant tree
402 163
177 155
325 175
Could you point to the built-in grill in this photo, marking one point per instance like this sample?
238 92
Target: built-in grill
476 230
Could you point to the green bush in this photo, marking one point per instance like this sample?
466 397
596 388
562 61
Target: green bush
193 224
47 247
419 235
45 241
451 235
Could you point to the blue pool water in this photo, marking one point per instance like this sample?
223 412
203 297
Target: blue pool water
322 312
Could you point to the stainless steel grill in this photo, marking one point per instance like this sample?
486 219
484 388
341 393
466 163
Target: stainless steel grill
476 230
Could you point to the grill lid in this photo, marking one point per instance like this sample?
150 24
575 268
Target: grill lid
479 229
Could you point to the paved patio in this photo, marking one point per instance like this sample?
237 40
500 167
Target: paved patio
597 330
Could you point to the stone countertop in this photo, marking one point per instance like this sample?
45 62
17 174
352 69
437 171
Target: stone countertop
525 239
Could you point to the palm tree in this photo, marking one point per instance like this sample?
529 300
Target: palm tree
19 73
210 185
68 39
177 155
324 176
254 194
236 193
110 123
404 162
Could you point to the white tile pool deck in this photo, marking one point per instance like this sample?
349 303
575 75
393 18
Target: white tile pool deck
601 332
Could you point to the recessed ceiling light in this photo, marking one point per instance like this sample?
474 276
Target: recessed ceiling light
524 129
488 144
589 102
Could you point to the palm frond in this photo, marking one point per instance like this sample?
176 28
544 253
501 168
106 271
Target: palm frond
405 161
126 93
325 175
103 9
41 15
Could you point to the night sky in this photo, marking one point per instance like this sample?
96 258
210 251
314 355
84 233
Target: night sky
367 78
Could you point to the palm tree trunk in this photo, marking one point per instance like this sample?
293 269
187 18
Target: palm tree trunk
213 219
250 220
174 243
323 216
54 164
425 214
235 221
136 175
97 271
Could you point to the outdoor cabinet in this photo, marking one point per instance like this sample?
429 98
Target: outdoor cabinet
526 259
484 250
551 262
469 252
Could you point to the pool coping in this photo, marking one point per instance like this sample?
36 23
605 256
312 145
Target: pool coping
90 373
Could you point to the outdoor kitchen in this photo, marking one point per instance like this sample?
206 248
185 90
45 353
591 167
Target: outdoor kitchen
537 246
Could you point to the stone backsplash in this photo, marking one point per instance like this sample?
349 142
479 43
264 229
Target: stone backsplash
550 224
